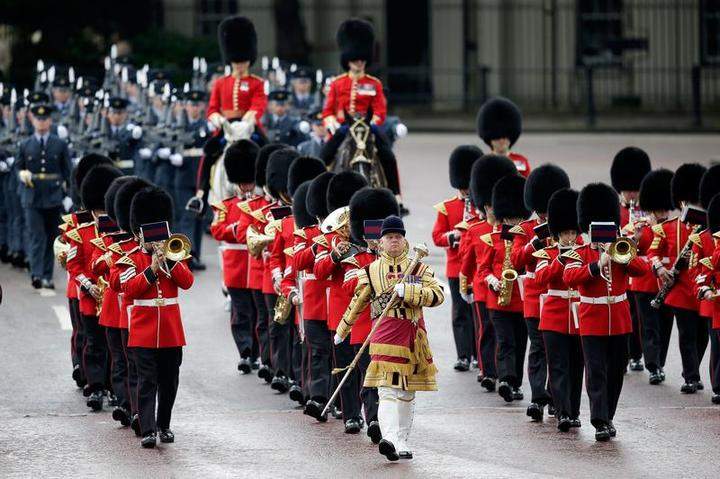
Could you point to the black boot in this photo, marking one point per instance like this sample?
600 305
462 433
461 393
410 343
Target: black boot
149 440
564 423
245 365
387 449
135 425
373 432
296 394
462 365
121 415
602 433
280 384
95 401
352 426
167 436
505 391
535 411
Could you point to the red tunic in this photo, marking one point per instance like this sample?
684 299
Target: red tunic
79 265
670 237
351 267
155 320
556 301
471 250
450 213
256 265
233 251
328 270
595 316
100 264
521 163
232 97
314 300
283 244
492 262
522 257
69 223
119 250
702 249
355 97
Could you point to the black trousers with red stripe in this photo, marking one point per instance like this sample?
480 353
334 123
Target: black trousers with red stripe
565 369
132 372
715 360
118 367
537 364
158 379
261 327
606 360
693 340
635 343
242 312
511 336
319 352
349 398
486 342
77 339
95 353
462 322
368 396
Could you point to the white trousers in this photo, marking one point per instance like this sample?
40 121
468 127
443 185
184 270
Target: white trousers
396 411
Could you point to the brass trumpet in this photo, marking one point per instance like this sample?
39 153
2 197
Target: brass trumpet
257 241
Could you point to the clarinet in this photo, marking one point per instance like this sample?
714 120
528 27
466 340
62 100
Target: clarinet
665 289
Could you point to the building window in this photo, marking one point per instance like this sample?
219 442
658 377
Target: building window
599 24
710 32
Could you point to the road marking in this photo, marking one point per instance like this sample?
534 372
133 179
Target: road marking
63 317
47 293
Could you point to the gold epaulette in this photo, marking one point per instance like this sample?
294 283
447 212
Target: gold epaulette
116 248
219 206
716 234
74 235
658 230
300 233
487 239
440 207
68 219
707 262
517 230
573 255
462 226
64 226
372 77
99 244
245 207
351 260
542 254
289 251
126 261
259 215
695 238
321 240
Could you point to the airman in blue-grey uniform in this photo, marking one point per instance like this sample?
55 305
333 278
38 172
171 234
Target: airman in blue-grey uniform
280 125
318 135
303 100
125 138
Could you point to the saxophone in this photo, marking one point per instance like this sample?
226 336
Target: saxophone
508 275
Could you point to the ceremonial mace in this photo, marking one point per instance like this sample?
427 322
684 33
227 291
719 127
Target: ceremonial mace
421 251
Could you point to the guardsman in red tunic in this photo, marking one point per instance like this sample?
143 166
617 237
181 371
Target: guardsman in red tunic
239 163
541 184
670 240
485 172
629 167
93 190
499 126
655 324
504 301
70 222
451 213
603 311
558 324
285 337
331 246
151 282
311 293
239 96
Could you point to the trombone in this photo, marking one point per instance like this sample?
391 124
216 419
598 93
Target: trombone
621 251
176 248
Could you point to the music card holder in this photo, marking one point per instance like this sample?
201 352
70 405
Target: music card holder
693 215
84 217
372 229
542 231
154 232
505 232
280 212
106 225
603 232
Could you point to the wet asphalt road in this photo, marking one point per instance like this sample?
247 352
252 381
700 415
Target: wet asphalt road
232 425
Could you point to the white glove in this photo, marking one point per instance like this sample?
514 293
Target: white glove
26 177
163 153
62 132
136 133
75 161
241 129
176 159
304 127
401 130
67 203
332 125
494 283
337 339
468 298
400 290
145 153
4 168
217 120
10 160
211 126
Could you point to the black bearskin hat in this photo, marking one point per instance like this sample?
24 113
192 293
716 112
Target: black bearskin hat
562 211
301 216
112 193
499 118
370 204
709 185
262 160
484 174
87 163
685 184
507 198
628 169
655 191
356 39
597 202
304 168
276 176
341 188
95 184
713 214
541 184
239 161
316 201
461 162
150 205
123 201
238 40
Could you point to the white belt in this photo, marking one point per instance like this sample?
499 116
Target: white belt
192 152
157 302
563 293
236 246
309 276
124 164
603 299
530 275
